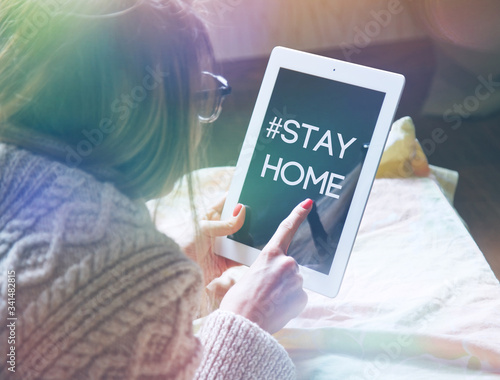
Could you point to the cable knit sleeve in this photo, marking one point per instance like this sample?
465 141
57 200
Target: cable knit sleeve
236 348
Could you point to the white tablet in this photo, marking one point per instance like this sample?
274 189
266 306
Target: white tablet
317 131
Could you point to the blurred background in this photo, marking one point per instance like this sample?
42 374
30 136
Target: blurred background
449 51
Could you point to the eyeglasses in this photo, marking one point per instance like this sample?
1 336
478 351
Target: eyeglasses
214 89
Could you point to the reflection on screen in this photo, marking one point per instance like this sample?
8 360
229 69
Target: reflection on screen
312 144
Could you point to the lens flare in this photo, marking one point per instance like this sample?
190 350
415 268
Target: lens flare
470 24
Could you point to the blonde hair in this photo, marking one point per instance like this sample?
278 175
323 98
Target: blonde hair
105 85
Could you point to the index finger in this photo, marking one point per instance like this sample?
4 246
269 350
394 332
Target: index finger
288 227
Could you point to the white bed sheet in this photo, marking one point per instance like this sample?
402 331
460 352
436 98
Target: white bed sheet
418 300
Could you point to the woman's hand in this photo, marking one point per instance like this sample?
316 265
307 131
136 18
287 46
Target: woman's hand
270 293
210 227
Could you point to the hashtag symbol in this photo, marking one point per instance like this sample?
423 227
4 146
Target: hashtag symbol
274 127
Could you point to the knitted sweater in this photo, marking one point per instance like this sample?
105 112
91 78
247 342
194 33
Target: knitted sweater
96 292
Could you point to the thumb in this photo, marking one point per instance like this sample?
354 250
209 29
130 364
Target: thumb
215 228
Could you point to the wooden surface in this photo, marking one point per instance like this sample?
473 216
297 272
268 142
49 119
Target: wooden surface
473 149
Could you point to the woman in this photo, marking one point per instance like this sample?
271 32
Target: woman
99 105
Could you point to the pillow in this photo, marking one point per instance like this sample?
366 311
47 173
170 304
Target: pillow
403 156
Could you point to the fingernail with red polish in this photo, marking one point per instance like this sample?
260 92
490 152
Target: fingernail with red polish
307 204
237 209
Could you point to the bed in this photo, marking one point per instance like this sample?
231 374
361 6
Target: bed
418 300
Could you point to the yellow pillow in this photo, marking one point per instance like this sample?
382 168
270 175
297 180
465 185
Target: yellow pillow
403 156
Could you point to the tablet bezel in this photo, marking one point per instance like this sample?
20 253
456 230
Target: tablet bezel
390 83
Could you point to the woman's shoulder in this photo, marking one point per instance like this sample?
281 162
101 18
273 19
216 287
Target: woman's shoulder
42 197
28 178
32 183
53 216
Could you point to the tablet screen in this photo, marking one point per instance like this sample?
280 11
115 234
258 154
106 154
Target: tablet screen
312 144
